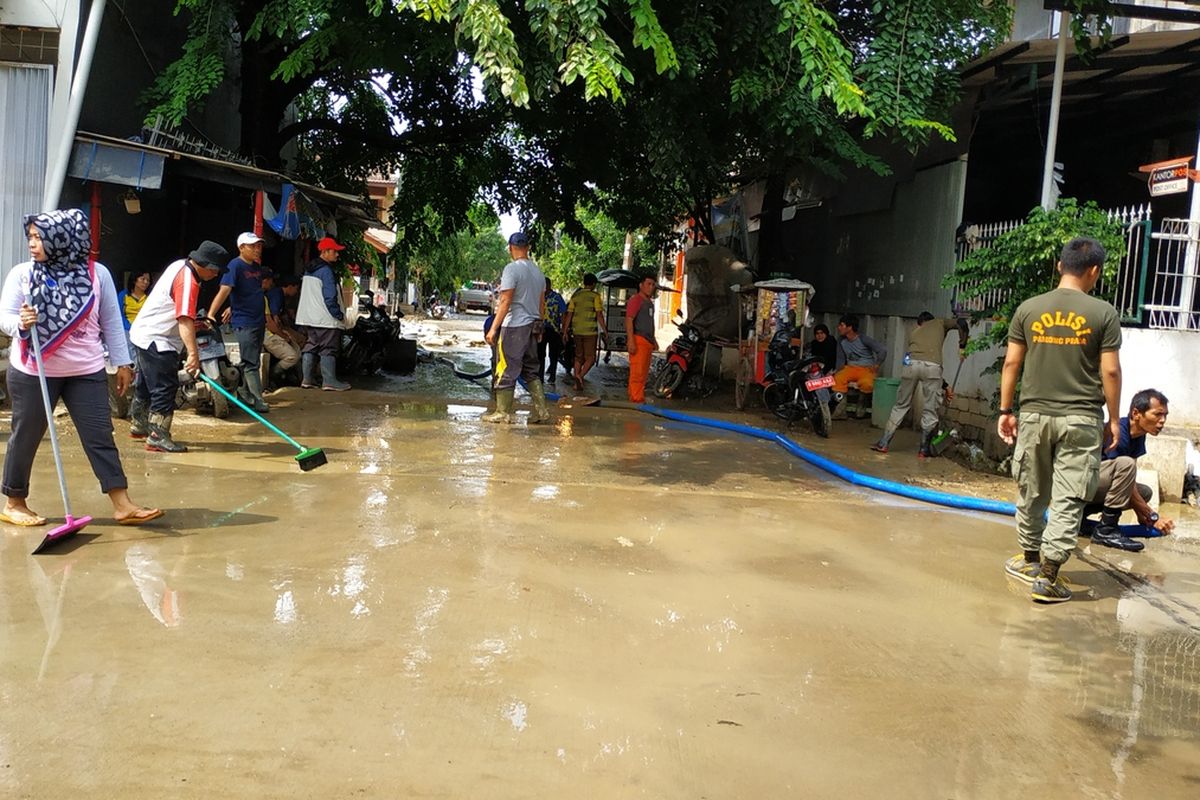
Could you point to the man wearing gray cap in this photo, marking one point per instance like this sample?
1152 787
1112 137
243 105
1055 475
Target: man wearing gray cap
165 326
515 332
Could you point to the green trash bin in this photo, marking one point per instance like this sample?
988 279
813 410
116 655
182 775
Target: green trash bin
883 400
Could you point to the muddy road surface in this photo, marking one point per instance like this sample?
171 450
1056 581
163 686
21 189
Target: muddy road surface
610 606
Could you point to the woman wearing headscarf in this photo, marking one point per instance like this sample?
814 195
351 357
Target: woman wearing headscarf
74 306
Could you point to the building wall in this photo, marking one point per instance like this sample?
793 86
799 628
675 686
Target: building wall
891 261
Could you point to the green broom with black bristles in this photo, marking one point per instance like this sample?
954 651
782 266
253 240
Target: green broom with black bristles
309 457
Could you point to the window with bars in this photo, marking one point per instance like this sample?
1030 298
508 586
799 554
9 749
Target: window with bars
28 45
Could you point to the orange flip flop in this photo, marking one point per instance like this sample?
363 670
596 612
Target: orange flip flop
26 522
141 516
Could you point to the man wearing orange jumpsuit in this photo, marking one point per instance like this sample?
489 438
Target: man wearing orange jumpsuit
639 333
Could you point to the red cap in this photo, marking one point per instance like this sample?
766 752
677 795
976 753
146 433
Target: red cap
329 243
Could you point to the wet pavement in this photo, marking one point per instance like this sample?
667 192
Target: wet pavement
611 606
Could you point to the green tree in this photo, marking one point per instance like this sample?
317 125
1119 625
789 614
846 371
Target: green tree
645 110
566 259
1023 262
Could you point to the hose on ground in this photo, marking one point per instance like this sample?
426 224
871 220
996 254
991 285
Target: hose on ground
821 462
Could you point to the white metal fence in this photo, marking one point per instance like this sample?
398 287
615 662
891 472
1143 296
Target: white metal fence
1130 277
1171 299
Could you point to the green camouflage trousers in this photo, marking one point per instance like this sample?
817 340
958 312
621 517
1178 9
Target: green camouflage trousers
1057 464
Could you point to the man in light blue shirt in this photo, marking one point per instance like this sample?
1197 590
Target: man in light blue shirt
515 333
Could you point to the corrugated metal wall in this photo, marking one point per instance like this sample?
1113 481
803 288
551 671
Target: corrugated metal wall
890 261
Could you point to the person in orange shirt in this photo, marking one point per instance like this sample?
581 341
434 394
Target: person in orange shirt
639 333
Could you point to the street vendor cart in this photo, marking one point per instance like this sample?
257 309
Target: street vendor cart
764 313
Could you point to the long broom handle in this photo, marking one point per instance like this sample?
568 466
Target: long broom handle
41 370
251 411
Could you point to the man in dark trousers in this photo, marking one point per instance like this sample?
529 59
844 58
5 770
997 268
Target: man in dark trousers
165 326
1069 344
320 318
242 284
515 332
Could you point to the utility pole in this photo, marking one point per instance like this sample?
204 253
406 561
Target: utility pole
1060 59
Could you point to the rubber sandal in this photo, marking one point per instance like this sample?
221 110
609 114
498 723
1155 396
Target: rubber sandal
140 518
28 522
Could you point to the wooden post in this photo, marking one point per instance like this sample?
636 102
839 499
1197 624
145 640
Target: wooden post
258 213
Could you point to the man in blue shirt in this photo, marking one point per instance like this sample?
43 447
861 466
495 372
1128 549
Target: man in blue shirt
1118 488
242 284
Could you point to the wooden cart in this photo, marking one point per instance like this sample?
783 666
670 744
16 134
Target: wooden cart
763 313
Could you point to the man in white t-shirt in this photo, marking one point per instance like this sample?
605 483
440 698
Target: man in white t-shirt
165 326
515 332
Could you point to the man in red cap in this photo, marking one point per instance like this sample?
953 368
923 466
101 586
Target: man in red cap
320 317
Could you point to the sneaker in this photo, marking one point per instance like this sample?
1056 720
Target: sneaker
304 385
879 447
1046 592
1028 571
1112 537
336 387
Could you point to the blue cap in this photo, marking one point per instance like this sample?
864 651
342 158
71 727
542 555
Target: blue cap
519 239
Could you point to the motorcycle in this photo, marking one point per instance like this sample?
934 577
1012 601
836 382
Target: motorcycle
437 309
215 363
372 343
677 372
797 386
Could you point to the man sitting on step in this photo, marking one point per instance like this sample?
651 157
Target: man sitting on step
858 359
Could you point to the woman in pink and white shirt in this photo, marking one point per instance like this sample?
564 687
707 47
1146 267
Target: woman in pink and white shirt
74 305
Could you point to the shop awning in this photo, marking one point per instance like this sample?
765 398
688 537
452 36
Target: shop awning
106 159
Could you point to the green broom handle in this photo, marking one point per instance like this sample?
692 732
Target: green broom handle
250 411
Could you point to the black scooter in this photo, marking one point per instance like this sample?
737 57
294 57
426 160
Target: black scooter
797 386
215 363
373 343
678 372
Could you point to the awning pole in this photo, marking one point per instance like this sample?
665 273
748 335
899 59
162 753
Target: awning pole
1060 60
56 171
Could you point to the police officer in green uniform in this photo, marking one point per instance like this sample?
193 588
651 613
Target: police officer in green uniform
1069 343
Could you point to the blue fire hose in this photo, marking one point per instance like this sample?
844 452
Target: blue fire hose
821 462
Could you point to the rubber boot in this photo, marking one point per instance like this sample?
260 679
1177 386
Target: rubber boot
504 408
139 419
926 450
882 445
254 389
329 381
839 410
541 411
160 435
1108 533
308 362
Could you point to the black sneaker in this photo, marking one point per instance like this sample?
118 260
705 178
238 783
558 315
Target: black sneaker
1045 591
1022 570
1112 537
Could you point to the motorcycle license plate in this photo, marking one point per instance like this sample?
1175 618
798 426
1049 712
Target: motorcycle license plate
823 382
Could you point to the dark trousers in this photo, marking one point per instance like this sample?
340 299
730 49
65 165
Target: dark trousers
322 341
157 379
250 345
86 397
552 342
516 357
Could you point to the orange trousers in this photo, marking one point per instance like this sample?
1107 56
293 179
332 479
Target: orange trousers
639 369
